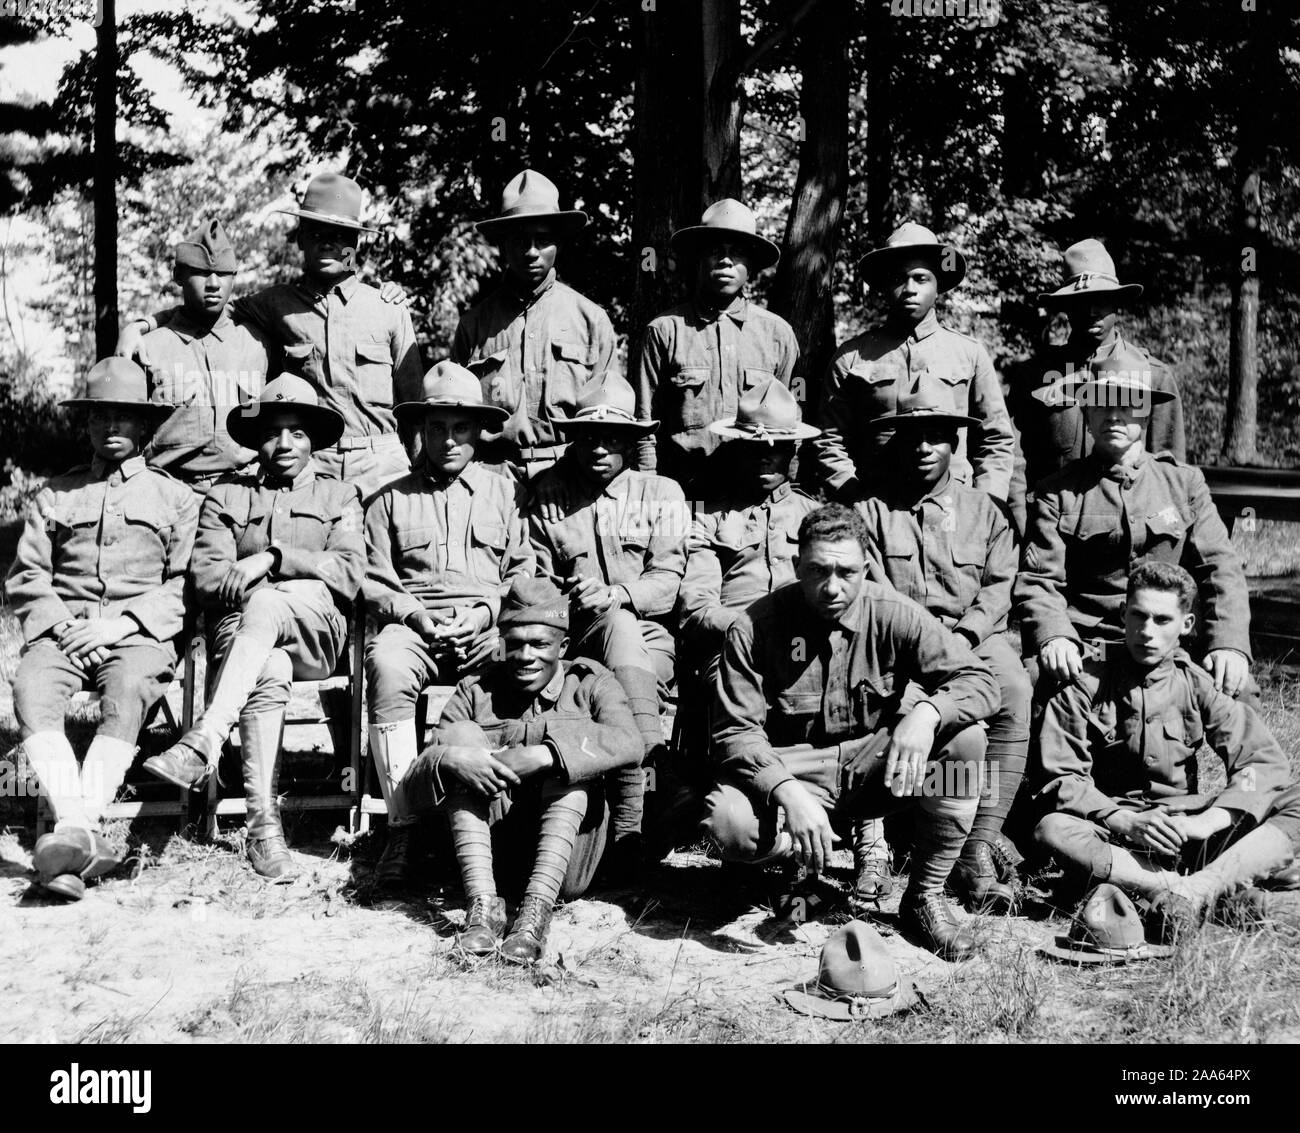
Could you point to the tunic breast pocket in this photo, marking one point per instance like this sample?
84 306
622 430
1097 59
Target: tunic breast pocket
308 530
1165 532
412 548
968 560
188 425
801 706
300 358
1092 528
375 372
65 524
571 368
144 526
754 376
494 378
489 538
692 395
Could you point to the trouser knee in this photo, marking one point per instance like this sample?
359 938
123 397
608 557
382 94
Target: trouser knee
274 684
1076 843
395 680
735 826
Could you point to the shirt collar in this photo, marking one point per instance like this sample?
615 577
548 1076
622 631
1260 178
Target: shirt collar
1123 474
468 476
279 484
779 493
345 288
926 327
851 619
737 310
187 328
102 469
550 692
527 299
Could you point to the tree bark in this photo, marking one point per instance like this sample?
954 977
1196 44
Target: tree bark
105 186
805 283
880 130
1240 434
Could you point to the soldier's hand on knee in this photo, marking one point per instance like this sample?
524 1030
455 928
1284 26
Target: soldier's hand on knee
808 825
478 769
593 595
909 750
1155 829
85 637
425 624
1062 658
1229 669
526 760
242 575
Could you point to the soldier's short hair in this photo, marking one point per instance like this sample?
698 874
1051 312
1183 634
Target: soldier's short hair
1151 574
832 523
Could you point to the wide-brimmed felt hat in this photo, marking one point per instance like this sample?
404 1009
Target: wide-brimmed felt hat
534 602
731 221
1089 272
917 409
449 386
910 240
208 248
532 196
331 198
603 402
121 382
768 412
1122 378
323 424
1106 930
856 979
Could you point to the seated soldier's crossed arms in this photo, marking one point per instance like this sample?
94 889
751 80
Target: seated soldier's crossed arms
521 751
1119 770
811 722
98 585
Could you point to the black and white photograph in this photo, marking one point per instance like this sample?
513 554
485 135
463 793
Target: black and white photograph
650 522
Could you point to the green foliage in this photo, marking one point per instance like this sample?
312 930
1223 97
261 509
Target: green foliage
35 433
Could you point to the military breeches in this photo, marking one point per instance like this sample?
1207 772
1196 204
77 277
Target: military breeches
617 638
400 666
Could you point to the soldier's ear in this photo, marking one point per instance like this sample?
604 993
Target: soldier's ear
564 645
1189 620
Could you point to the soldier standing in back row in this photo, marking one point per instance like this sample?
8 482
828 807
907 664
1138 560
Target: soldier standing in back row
533 342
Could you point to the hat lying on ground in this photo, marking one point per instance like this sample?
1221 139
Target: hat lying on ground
1106 930
768 412
119 382
323 424
1089 273
856 979
911 240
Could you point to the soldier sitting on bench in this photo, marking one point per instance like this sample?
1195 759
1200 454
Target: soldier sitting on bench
277 564
98 586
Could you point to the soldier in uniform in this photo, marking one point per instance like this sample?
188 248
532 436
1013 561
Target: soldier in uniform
97 584
205 364
700 358
516 765
1051 431
949 547
838 699
911 354
444 544
353 342
1119 768
1100 514
533 342
619 551
278 561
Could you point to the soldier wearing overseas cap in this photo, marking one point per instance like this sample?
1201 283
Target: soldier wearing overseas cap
1100 514
618 549
948 547
699 358
97 585
1053 432
353 342
277 563
524 747
444 542
533 342
912 353
203 363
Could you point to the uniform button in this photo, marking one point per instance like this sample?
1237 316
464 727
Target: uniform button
531 335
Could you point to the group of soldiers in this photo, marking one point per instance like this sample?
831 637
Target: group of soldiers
828 605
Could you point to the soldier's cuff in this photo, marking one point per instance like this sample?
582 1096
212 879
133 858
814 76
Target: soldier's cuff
767 779
43 617
943 705
294 561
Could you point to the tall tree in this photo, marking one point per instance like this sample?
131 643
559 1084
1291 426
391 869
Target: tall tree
106 180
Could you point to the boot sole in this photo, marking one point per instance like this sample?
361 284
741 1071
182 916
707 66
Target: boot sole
176 780
68 887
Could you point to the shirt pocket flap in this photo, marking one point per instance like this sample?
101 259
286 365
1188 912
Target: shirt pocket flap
1167 521
876 373
144 513
736 534
298 350
689 377
73 515
796 702
756 375
969 553
490 533
1186 731
570 351
413 538
371 351
484 364
1088 525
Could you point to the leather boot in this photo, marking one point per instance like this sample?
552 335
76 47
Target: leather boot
1170 918
393 748
259 738
1008 860
193 758
66 859
929 920
975 880
485 921
1283 880
872 879
393 869
942 827
527 939
1258 855
58 775
103 772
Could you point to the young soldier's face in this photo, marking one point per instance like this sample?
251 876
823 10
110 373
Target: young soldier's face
528 253
204 293
924 452
913 291
602 453
533 654
766 467
1115 428
116 432
285 447
1153 624
723 272
830 575
449 440
1092 319
329 251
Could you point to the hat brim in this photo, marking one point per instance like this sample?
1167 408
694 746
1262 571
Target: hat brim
727 428
157 410
911 420
761 251
325 218
324 425
1070 390
809 999
568 221
880 260
1065 296
567 423
414 410
1062 950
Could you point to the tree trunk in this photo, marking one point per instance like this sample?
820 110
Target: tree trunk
880 130
723 96
105 188
1240 434
805 283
